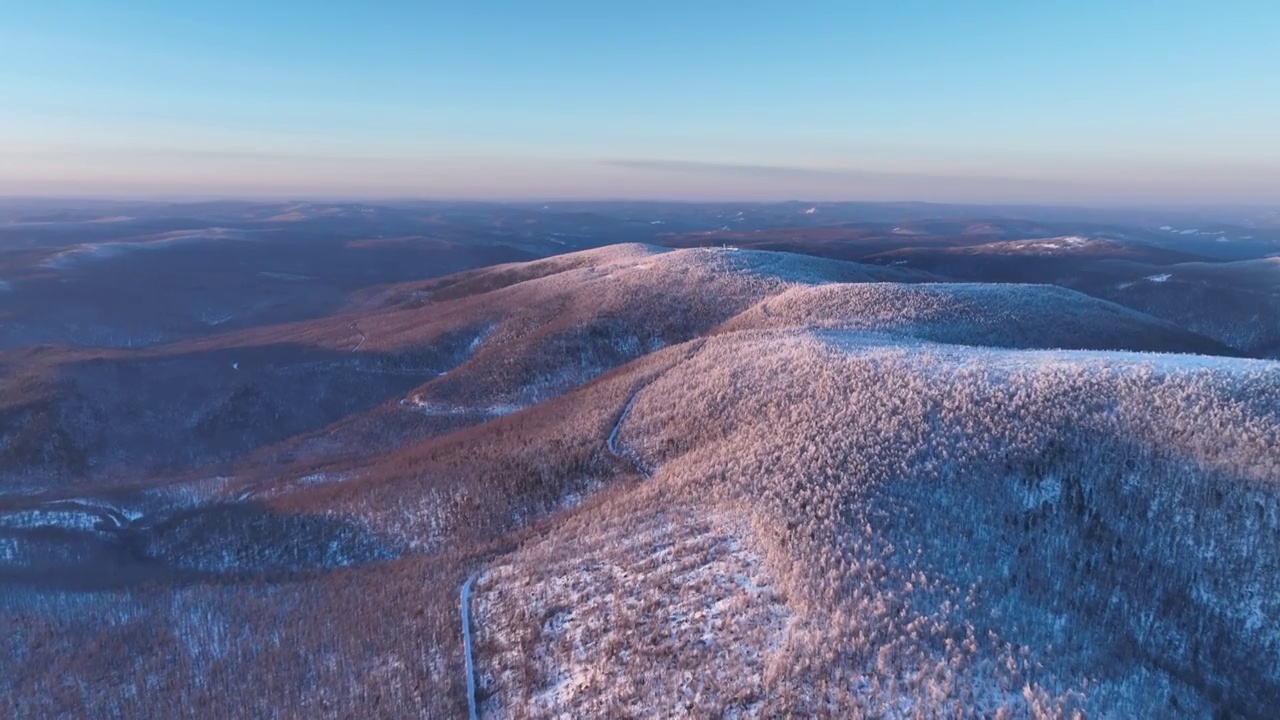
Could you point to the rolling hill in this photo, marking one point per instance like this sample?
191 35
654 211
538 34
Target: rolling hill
707 482
907 527
418 359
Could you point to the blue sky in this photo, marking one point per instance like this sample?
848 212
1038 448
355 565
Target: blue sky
1125 101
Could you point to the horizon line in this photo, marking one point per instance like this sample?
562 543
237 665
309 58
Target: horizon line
196 198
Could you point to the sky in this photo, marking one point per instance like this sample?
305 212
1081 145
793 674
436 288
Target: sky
1091 101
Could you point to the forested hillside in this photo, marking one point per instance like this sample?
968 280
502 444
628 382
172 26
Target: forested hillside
706 482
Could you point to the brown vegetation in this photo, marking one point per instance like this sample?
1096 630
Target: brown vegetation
833 516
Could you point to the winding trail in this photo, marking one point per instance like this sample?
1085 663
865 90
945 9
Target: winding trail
468 650
356 326
464 596
612 442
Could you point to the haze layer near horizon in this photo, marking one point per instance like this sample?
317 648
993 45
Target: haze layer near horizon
1086 102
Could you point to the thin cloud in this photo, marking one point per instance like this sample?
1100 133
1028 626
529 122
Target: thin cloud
820 173
756 171
845 176
764 181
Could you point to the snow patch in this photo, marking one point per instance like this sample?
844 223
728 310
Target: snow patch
43 518
426 407
1036 493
